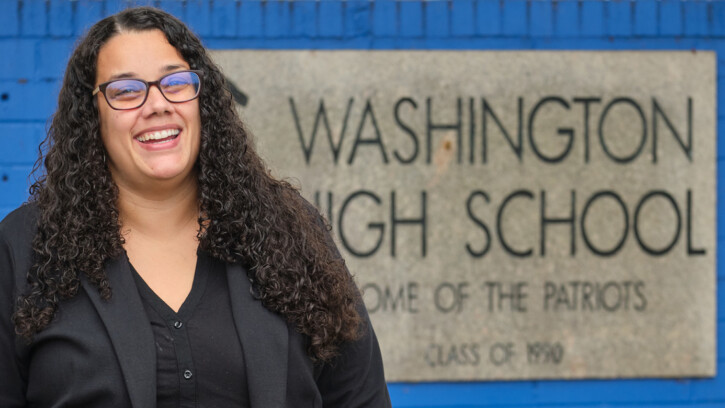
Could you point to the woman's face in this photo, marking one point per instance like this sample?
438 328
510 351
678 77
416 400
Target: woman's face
141 164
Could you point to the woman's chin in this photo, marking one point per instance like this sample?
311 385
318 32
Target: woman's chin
168 172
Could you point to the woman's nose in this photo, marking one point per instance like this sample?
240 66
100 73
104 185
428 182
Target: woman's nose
156 102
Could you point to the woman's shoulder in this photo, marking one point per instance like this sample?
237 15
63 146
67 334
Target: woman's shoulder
16 249
18 228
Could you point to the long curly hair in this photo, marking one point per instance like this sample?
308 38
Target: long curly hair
247 216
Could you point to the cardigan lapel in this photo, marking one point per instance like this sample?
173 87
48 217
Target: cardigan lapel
264 339
131 335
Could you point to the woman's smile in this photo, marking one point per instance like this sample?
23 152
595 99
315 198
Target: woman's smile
158 136
159 140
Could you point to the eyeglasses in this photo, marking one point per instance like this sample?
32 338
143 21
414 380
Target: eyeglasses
176 87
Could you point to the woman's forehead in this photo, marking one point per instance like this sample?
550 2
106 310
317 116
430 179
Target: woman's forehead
138 54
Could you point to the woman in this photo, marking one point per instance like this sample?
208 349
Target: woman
158 263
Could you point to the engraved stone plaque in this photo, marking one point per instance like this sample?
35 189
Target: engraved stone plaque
507 215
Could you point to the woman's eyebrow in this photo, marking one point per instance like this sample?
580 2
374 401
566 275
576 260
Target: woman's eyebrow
123 75
167 68
173 67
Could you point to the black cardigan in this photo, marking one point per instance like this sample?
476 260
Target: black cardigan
100 353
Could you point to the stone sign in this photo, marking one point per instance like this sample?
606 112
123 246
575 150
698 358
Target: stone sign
507 215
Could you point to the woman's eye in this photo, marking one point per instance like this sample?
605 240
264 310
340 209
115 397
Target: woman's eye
175 86
124 92
127 94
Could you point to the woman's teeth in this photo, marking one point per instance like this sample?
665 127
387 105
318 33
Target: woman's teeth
160 135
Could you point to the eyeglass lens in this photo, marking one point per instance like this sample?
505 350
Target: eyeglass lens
130 93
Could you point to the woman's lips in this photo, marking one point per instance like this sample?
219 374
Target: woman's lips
159 136
159 140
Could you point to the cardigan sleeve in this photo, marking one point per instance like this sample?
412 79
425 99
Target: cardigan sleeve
13 384
355 378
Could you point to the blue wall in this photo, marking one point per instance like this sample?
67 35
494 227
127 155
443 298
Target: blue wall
36 37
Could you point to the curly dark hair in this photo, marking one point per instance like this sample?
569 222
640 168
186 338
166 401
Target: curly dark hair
247 216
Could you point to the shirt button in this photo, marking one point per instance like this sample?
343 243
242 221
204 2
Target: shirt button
187 374
178 324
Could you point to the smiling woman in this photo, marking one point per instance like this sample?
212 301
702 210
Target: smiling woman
157 263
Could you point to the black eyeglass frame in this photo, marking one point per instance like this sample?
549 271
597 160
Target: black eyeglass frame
102 88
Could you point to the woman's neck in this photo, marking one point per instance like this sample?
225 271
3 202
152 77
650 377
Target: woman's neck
159 215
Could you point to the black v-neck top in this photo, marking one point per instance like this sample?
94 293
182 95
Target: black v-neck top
199 359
